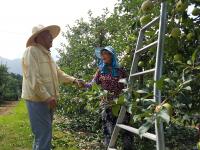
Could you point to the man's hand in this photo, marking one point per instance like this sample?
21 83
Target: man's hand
80 83
52 103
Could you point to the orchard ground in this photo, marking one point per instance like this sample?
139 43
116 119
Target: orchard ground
16 134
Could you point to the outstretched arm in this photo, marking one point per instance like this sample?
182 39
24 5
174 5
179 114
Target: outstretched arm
65 78
94 80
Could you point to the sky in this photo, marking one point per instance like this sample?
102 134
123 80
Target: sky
19 16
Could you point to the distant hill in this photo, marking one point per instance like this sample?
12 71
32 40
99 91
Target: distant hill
14 65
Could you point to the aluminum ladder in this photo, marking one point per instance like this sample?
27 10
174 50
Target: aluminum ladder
158 137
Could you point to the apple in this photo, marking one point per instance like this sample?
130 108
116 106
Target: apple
181 6
169 108
196 11
178 57
189 62
147 6
190 36
141 64
158 108
145 19
175 33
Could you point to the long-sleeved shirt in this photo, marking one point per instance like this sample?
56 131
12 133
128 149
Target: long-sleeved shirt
111 84
41 75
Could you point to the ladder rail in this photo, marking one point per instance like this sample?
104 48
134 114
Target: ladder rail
116 130
158 72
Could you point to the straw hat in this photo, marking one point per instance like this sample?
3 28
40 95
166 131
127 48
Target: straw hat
53 29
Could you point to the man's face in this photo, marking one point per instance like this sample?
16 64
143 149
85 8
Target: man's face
46 39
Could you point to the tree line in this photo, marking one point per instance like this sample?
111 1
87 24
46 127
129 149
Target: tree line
10 84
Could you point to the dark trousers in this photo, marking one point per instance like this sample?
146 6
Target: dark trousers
108 124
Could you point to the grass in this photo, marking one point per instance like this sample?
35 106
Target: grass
15 132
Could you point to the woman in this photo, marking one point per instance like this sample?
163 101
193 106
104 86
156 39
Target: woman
107 76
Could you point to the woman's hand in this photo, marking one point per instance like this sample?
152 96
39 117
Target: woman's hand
88 85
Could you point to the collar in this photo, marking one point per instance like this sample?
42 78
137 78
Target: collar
46 51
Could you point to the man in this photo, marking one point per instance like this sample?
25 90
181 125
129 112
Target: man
41 77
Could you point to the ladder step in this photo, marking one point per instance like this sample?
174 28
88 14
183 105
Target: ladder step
150 23
147 47
136 131
112 148
143 72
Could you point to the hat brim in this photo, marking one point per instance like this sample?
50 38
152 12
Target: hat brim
53 29
99 49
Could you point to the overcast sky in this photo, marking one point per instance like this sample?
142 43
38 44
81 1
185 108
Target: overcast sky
19 16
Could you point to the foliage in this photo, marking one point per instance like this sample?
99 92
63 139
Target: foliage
10 84
179 83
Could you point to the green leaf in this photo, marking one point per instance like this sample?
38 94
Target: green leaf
95 87
129 108
141 91
187 82
160 83
194 55
121 100
145 127
163 114
115 109
124 81
188 88
171 82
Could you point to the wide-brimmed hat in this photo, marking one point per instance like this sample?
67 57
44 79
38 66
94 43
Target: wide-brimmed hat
98 51
53 29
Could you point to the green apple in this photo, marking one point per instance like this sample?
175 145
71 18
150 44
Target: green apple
175 33
196 11
141 64
145 19
189 62
178 57
147 6
169 108
158 108
190 36
181 6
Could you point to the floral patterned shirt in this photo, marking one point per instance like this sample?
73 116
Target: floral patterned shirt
110 83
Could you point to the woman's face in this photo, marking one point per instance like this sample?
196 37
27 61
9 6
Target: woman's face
106 56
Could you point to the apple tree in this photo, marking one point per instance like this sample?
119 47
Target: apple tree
181 68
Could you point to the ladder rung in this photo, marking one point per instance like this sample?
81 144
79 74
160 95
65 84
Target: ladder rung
143 72
150 23
112 148
136 131
146 47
